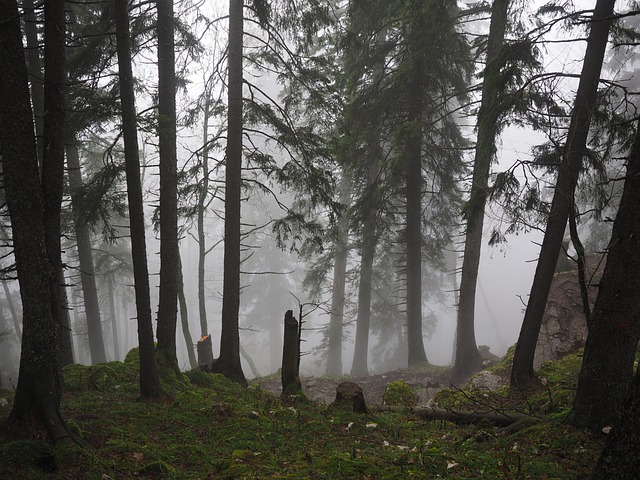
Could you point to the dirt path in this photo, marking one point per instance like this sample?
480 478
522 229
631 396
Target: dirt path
323 389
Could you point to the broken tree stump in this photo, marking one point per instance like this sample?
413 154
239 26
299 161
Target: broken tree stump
349 396
290 373
205 352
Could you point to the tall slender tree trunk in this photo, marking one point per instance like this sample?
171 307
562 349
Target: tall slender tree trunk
38 392
184 318
114 318
12 309
149 378
85 259
614 326
563 197
202 198
34 66
228 363
202 238
467 357
65 353
360 365
336 319
413 230
169 249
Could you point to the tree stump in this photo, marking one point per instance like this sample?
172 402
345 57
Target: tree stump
349 396
205 351
290 373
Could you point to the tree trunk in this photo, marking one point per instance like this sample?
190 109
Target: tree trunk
114 318
184 318
12 310
202 245
149 378
65 353
360 364
336 319
620 458
563 197
202 199
85 259
413 230
34 66
467 357
614 327
52 180
290 373
228 364
38 391
169 250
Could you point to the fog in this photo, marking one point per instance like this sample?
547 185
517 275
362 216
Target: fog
505 277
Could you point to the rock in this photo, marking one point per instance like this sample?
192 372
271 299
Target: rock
486 380
564 327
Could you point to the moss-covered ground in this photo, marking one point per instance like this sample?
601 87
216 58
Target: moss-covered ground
207 428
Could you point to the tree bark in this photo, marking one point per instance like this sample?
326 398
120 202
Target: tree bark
38 391
290 373
114 318
360 365
202 245
34 66
563 198
413 230
85 259
228 364
184 318
149 378
12 310
336 319
467 358
169 249
350 397
614 326
620 458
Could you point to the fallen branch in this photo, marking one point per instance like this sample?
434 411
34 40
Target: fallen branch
498 419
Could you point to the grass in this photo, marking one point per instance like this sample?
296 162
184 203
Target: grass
208 428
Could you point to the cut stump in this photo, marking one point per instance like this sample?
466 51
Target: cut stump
349 396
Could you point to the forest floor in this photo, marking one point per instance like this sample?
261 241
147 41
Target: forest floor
207 427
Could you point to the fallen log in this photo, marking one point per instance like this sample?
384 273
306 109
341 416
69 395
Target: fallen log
498 419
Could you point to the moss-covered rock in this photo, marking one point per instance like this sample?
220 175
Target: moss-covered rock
399 393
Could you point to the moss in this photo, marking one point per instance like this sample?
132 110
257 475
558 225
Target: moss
212 428
133 356
398 393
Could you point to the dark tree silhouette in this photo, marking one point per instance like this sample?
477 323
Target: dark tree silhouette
614 326
228 363
149 378
563 197
39 384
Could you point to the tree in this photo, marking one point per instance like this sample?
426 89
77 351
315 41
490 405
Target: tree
563 197
467 356
613 327
38 391
169 248
149 377
228 363
85 259
336 319
619 458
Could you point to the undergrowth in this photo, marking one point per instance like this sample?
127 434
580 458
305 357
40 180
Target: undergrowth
207 427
